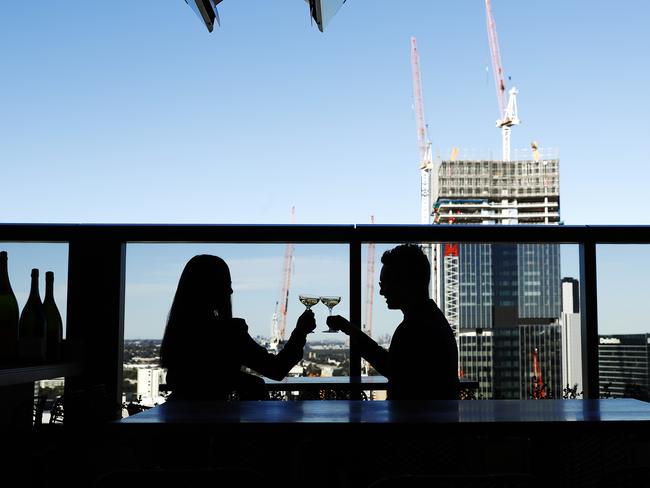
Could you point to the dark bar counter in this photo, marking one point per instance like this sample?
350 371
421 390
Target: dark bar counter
350 414
569 443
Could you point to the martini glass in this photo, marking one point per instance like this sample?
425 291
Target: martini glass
330 302
308 301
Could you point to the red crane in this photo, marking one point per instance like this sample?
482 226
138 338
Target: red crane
507 110
370 293
370 283
424 145
497 68
418 101
426 161
286 282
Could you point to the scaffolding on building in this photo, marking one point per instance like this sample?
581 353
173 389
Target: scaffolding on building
522 191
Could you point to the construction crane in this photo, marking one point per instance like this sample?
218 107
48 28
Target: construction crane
279 323
370 283
539 388
507 111
424 144
370 290
426 161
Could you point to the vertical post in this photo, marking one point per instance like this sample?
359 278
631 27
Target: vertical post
589 319
355 309
95 328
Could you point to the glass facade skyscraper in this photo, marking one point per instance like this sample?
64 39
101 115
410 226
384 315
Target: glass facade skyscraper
539 280
510 302
624 365
475 286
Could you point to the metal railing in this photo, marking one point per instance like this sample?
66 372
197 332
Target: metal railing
97 258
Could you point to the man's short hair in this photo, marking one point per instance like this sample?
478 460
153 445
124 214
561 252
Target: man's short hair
411 262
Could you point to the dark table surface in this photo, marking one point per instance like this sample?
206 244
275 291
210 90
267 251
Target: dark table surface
515 413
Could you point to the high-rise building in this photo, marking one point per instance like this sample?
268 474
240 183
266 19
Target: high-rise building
571 335
506 297
149 381
624 365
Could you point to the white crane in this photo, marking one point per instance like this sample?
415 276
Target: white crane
507 112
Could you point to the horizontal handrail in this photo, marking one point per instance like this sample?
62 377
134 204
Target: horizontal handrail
15 375
298 233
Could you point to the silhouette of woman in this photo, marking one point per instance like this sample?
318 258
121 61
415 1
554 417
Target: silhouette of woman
204 347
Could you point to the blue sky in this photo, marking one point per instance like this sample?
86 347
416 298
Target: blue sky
128 111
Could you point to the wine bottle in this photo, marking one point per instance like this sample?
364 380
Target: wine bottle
33 325
54 322
8 315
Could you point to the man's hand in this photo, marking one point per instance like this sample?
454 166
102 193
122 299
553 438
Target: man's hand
336 322
306 322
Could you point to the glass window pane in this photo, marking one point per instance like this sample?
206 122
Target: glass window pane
623 331
21 259
505 302
258 278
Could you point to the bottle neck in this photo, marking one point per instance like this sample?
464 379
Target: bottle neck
33 292
49 285
5 287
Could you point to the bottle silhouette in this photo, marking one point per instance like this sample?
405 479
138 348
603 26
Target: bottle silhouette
54 322
8 315
33 325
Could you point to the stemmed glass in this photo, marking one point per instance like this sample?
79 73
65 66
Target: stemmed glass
308 301
330 302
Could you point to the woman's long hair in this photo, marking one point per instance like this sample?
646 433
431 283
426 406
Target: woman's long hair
204 292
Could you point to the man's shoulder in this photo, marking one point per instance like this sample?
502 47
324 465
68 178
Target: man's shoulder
428 313
430 325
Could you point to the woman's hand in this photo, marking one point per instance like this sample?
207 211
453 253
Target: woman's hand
336 322
306 322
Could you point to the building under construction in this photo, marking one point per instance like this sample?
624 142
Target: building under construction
503 300
497 192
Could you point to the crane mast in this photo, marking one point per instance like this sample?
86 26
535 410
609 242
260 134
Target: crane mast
508 115
370 283
424 144
370 291
426 161
432 251
280 323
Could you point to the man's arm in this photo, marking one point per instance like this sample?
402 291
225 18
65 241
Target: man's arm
376 355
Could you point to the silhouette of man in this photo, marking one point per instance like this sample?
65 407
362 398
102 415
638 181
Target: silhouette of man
422 360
